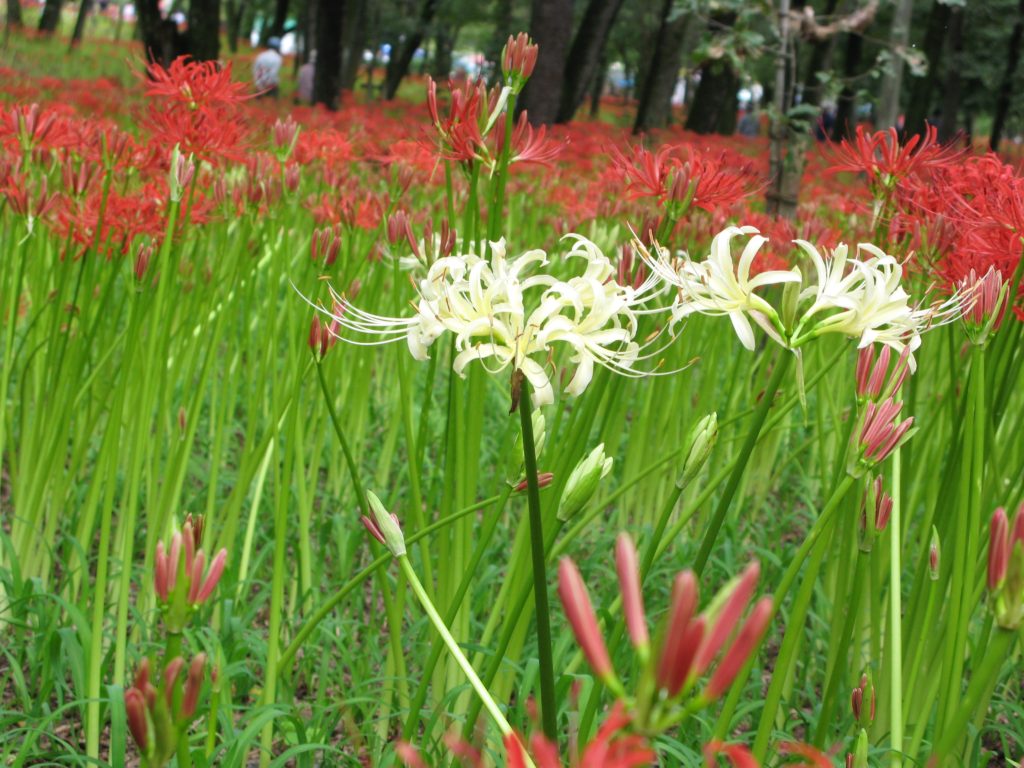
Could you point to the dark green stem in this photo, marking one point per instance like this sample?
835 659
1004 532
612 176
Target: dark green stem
549 718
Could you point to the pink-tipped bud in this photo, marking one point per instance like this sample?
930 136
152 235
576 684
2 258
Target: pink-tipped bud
683 635
998 548
1017 531
729 617
135 710
933 555
544 479
193 685
170 677
189 539
213 575
629 583
745 644
292 177
983 303
161 571
576 601
195 576
142 258
519 57
863 692
880 434
285 134
174 562
874 385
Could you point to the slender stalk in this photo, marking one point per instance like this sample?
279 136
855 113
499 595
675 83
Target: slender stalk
715 525
896 616
549 712
453 648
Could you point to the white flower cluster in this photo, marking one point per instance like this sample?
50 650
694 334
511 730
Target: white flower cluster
859 298
511 313
508 312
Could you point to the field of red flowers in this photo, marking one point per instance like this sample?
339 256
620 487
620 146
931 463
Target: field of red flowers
238 335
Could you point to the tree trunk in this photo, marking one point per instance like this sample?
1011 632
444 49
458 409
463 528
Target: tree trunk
444 44
889 97
821 51
551 29
204 29
585 55
50 19
502 30
1006 86
327 76
398 64
160 38
654 109
276 28
597 86
234 11
920 106
14 14
948 123
353 35
846 117
83 13
787 153
714 104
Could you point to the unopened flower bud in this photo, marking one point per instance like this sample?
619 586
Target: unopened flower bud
702 440
384 526
859 757
984 304
583 482
518 60
142 258
861 695
628 569
933 555
181 174
579 611
790 301
544 479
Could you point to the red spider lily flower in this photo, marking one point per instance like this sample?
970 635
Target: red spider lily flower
884 159
879 503
32 127
728 618
196 85
612 747
579 611
737 755
518 59
810 756
683 635
529 146
746 642
645 172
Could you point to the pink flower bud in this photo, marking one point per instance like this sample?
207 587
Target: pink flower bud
580 613
729 617
135 709
744 645
193 685
544 479
213 575
998 548
170 677
682 635
629 583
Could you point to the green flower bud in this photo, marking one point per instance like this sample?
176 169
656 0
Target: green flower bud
384 526
702 440
860 752
582 483
790 300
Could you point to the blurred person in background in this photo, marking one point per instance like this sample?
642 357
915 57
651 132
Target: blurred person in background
266 70
304 91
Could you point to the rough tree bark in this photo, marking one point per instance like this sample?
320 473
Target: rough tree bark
597 86
14 14
50 19
204 29
892 81
398 64
581 67
327 76
1006 85
551 29
160 37
923 89
654 108
949 123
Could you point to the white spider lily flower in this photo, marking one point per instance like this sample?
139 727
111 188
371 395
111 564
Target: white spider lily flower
719 286
503 314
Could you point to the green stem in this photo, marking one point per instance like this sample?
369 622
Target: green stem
549 718
996 654
715 525
896 616
349 458
453 647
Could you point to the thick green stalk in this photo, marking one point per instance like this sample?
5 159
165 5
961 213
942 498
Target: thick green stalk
715 524
549 713
896 616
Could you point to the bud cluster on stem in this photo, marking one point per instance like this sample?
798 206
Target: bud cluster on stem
686 647
1006 568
